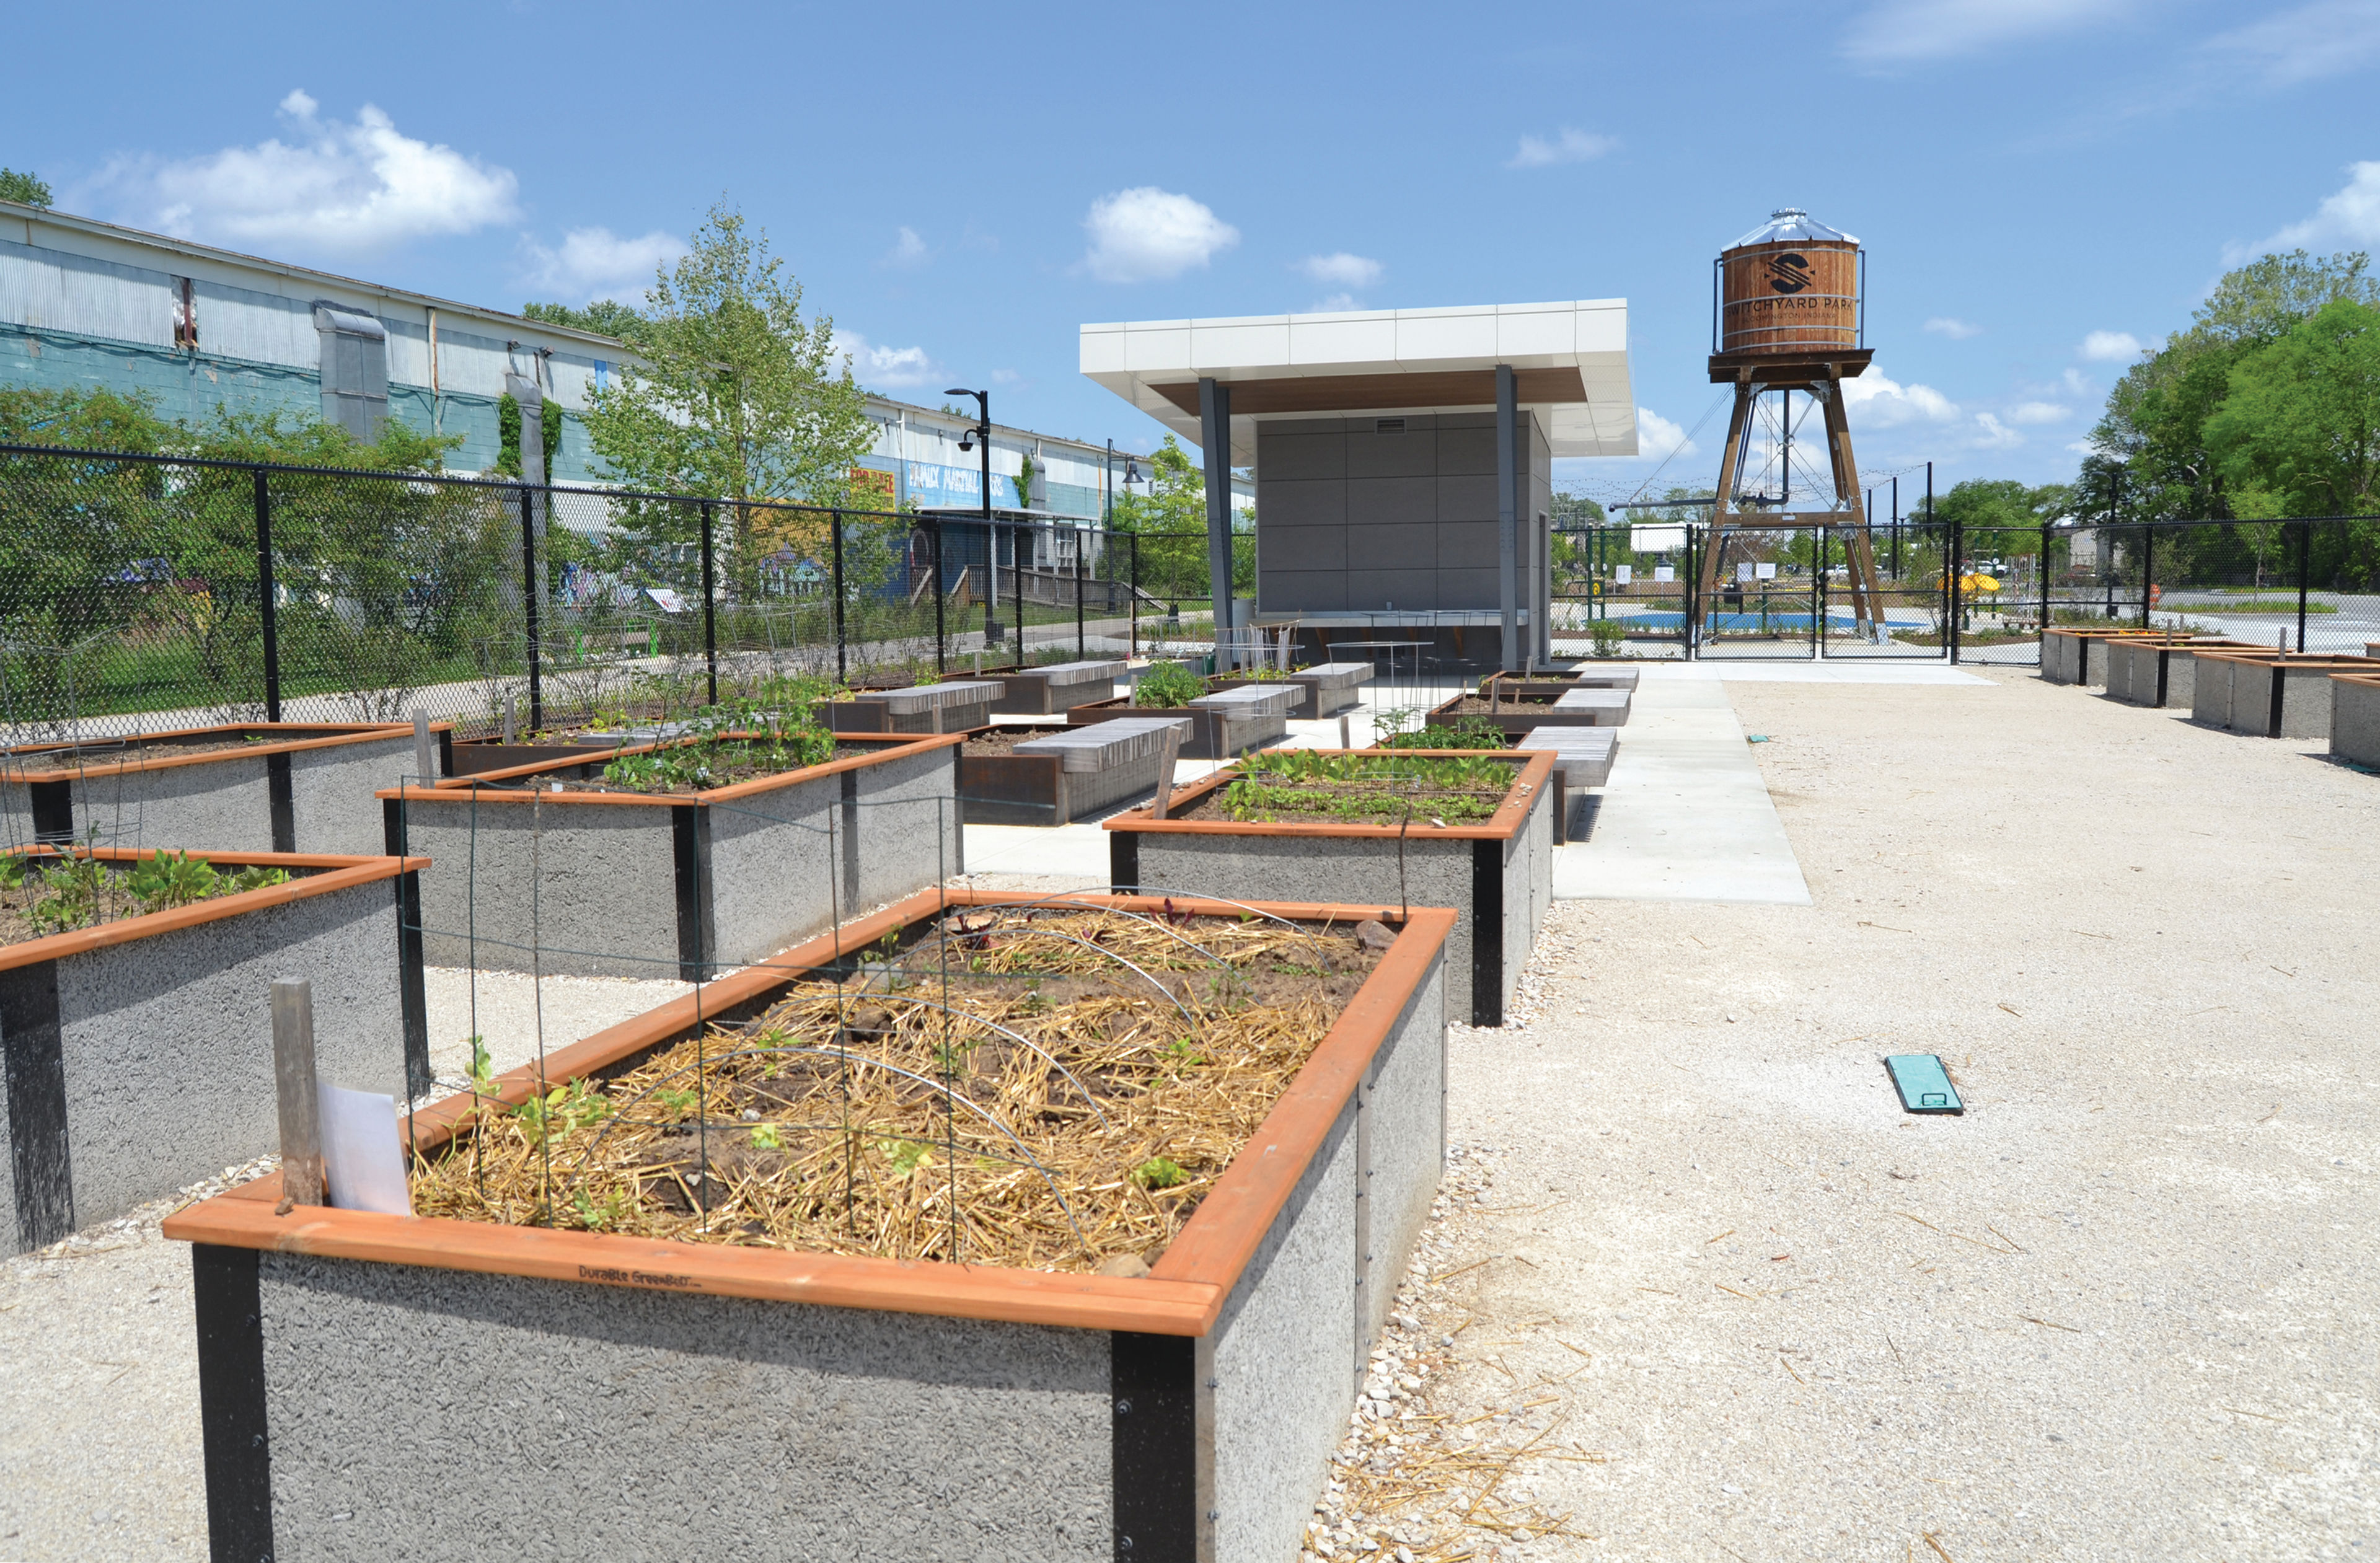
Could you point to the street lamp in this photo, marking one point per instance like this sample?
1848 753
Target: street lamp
982 431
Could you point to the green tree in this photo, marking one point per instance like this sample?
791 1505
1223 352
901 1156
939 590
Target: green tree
2299 433
1171 522
608 316
738 396
28 188
1024 481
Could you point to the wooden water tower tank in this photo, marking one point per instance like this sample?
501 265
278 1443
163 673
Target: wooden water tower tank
1791 288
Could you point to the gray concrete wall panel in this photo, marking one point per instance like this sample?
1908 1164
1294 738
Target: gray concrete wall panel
223 805
1380 589
1391 501
1292 458
1414 453
168 1040
2355 721
629 1425
2210 690
1290 549
594 884
776 870
1303 502
331 789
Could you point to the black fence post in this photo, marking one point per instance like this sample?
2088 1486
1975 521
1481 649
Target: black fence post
1954 584
530 592
1686 593
1079 536
941 630
2044 585
1135 596
1818 596
2305 558
266 592
842 663
710 602
2148 570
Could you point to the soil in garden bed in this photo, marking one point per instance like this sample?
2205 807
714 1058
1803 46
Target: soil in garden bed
1051 1088
1472 705
1289 788
45 895
132 750
1004 740
727 766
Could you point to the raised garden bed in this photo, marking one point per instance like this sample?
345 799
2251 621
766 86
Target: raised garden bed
2143 671
1559 705
2067 655
1323 690
953 706
2355 716
1583 758
1222 725
1058 687
1585 676
1496 870
138 1047
829 1383
2265 695
650 876
244 787
1055 775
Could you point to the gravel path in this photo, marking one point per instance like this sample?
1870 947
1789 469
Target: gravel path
2122 1308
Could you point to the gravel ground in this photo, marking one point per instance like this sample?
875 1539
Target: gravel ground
1698 1288
2122 1308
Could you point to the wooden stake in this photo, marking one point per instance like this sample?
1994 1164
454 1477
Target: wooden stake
1345 740
296 1096
423 764
1165 770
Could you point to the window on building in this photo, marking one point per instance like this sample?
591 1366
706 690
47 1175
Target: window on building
185 316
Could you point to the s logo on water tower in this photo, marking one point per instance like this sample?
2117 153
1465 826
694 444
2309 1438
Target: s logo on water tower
1788 273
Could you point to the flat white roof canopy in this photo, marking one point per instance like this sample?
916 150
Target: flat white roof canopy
1569 362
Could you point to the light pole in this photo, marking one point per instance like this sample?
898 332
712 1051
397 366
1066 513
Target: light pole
982 431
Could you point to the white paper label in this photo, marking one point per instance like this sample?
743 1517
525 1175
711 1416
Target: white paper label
363 1161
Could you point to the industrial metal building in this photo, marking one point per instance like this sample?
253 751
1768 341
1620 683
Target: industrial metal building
90 304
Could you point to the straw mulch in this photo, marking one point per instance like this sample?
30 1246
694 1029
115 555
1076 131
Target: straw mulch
1005 1090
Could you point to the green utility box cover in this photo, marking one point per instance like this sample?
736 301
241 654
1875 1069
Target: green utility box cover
1923 1085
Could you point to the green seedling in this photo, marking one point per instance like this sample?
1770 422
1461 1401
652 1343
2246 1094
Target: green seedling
483 1065
908 1156
1158 1173
170 880
1169 686
1182 1053
256 878
767 1136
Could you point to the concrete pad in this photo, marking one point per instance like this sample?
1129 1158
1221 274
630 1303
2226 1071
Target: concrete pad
1685 815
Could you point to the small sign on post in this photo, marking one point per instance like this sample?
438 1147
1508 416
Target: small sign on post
294 1094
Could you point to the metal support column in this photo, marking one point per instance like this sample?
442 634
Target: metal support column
1215 450
1508 507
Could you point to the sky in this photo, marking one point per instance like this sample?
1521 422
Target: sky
2045 187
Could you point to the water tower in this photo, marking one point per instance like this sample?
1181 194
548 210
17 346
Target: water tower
1788 315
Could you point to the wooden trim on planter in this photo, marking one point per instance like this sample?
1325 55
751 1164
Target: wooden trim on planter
336 734
1184 1296
1533 772
343 871
478 784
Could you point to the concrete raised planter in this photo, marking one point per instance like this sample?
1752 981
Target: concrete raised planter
1222 726
289 787
140 1052
1560 705
2068 656
952 707
1586 675
622 884
2267 695
826 1406
1058 687
1321 691
1497 875
2355 716
2142 672
1583 757
1065 774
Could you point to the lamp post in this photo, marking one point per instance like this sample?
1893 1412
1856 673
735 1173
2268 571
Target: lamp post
982 431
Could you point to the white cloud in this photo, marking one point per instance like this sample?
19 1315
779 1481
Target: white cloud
908 251
1570 146
1905 31
333 186
2035 412
598 263
2112 346
1656 436
1883 402
2327 38
1336 304
1147 234
1955 328
2349 217
1992 435
1347 271
887 368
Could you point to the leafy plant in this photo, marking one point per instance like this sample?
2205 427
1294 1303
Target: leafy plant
170 880
256 878
767 1136
1158 1173
560 1110
1169 686
1607 634
908 1156
773 732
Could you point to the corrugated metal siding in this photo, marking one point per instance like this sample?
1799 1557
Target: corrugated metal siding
260 327
63 292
